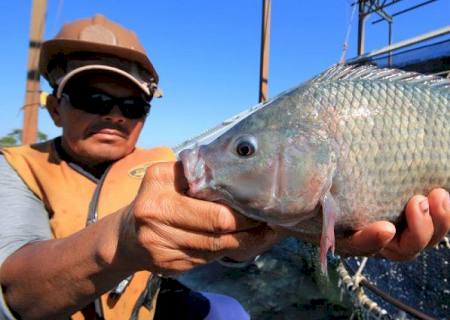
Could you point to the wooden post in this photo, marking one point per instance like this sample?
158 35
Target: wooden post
32 94
265 41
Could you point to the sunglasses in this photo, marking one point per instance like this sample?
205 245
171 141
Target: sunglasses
100 103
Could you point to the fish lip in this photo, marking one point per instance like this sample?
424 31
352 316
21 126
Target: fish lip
196 171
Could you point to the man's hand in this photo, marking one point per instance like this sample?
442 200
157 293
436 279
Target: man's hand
427 222
171 232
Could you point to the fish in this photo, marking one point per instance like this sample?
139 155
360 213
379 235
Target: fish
347 148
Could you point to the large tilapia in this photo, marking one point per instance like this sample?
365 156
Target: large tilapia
345 149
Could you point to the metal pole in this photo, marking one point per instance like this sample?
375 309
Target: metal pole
390 43
265 42
406 43
361 27
32 94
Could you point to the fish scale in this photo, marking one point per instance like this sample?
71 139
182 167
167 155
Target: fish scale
403 162
345 149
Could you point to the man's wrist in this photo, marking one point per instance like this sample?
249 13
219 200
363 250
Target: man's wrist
114 248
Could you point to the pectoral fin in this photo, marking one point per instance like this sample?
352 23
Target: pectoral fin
329 214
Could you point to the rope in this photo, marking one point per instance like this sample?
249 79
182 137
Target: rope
347 36
369 307
57 18
358 277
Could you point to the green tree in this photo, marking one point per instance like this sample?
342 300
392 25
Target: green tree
14 138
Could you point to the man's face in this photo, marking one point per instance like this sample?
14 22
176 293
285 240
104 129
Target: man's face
94 139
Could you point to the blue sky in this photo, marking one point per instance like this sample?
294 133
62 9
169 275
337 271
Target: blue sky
206 52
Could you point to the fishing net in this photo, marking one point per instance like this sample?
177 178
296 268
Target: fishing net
421 287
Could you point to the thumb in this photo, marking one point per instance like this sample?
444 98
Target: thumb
367 241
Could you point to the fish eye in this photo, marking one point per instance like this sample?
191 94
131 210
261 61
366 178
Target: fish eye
246 146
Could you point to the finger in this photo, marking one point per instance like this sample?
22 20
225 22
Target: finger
440 214
212 245
165 175
251 244
417 234
254 242
367 241
176 261
214 217
190 214
161 200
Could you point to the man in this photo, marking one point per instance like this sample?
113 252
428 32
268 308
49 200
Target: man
80 220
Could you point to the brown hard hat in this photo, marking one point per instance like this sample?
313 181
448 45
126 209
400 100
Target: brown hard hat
97 35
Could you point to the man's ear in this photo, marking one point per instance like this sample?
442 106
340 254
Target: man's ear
53 109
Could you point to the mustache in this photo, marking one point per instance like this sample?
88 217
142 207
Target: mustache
108 125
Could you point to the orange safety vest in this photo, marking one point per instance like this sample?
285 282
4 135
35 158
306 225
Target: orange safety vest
67 194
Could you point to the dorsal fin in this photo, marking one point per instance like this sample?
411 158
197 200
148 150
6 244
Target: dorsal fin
370 72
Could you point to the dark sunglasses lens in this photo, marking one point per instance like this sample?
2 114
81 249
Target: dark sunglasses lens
94 103
102 104
134 108
98 103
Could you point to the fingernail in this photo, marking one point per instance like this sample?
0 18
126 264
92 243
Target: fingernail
424 206
446 203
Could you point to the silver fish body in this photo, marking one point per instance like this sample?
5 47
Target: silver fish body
345 149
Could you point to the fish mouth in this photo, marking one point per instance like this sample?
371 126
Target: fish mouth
197 173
